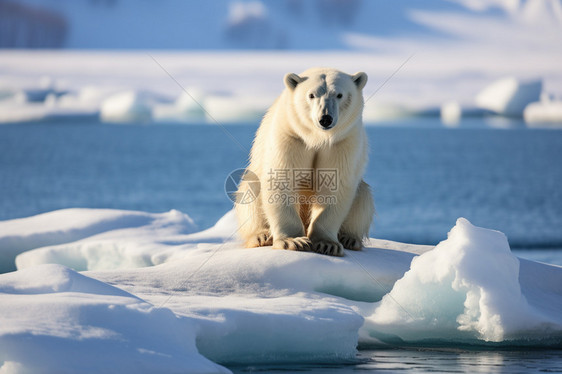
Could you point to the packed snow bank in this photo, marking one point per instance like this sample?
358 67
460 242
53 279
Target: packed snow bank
54 320
466 289
70 225
509 96
262 306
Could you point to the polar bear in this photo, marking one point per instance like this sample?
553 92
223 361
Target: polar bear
312 138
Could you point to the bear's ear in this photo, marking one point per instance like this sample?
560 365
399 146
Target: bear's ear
291 80
360 79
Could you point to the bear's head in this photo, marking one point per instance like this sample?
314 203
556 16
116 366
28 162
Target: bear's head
327 99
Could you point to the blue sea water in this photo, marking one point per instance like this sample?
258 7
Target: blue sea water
423 178
424 360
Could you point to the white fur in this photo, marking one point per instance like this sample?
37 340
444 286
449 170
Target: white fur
291 137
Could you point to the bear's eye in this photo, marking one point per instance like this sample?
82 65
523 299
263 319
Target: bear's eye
339 96
311 96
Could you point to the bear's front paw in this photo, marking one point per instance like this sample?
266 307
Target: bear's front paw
349 242
261 239
328 247
301 243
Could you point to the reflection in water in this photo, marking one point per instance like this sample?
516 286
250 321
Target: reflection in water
424 360
463 361
481 362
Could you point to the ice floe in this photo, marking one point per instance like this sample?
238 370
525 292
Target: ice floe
156 288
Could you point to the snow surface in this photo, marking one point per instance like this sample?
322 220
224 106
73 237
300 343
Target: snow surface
66 228
289 24
55 320
255 305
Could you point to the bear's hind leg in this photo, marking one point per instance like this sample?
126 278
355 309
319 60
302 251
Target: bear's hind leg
252 224
356 225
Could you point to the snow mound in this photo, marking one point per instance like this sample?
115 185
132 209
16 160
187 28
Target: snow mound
509 96
48 230
465 289
55 320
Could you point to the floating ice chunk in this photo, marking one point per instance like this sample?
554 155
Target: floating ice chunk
261 305
545 111
128 106
191 101
293 328
55 320
465 289
89 97
509 96
232 109
186 108
264 305
376 112
451 113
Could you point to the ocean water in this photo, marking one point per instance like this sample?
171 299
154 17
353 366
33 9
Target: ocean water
423 178
424 360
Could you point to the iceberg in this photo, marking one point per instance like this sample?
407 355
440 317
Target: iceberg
128 106
509 96
466 289
451 113
235 109
186 108
147 280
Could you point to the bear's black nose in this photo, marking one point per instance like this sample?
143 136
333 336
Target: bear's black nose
326 120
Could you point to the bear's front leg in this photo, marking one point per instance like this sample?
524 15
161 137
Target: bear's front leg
327 216
285 223
325 224
338 175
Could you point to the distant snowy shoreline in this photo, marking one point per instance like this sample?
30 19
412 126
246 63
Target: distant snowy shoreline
200 87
